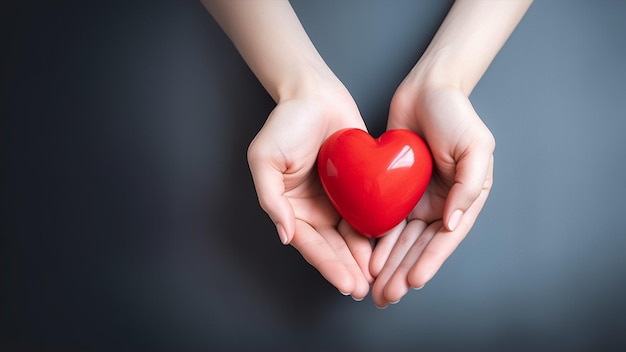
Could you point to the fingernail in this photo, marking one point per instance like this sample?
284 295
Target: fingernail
454 220
357 299
419 288
345 293
282 233
394 302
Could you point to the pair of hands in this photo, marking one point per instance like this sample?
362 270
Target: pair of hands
282 158
312 104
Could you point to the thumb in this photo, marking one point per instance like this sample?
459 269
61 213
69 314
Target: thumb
270 188
474 173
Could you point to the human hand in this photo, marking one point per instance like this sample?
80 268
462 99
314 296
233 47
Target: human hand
311 104
273 42
282 158
462 149
433 102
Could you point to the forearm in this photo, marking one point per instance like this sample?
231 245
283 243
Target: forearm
270 38
467 42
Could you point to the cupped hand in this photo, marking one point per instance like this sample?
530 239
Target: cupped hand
462 148
282 160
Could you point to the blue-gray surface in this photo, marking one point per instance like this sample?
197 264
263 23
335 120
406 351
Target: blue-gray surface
130 222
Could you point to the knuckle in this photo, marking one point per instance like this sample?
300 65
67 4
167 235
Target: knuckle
488 142
253 153
264 203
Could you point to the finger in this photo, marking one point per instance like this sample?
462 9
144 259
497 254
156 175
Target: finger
317 251
341 247
398 284
442 245
401 248
270 187
474 172
360 247
383 248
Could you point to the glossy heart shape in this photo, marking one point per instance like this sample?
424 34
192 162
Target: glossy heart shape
374 183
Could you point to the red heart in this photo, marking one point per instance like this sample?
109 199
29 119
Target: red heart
374 183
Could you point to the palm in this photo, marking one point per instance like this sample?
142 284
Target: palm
431 206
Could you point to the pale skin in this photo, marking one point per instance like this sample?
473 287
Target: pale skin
311 103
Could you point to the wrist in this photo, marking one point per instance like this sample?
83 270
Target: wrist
466 43
436 70
303 80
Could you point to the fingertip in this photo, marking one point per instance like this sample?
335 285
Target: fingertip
282 234
454 219
395 290
378 259
345 286
417 278
283 217
356 287
419 288
375 267
361 290
358 297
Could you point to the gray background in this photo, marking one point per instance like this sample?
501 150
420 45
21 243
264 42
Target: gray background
129 220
